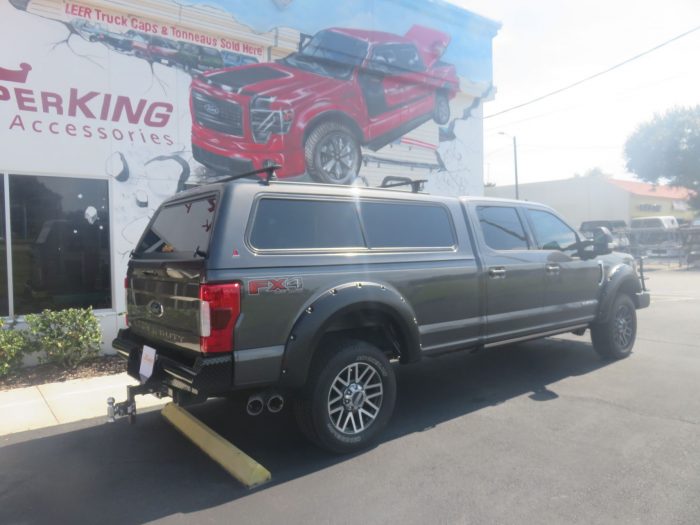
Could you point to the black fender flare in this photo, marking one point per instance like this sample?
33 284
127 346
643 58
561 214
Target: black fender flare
326 307
621 277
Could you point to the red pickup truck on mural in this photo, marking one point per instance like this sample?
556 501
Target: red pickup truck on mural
313 110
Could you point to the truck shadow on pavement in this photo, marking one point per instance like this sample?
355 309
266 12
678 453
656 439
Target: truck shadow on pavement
98 473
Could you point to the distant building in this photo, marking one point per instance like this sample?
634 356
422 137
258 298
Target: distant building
602 198
648 200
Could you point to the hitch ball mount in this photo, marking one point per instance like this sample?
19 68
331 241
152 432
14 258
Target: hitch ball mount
128 408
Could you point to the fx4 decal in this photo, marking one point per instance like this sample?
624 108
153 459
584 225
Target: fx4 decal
275 285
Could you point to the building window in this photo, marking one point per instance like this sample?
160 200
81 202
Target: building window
4 294
649 207
59 243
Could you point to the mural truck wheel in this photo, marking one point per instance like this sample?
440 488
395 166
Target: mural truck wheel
441 113
332 153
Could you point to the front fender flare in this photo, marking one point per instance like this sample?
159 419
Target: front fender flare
317 316
621 277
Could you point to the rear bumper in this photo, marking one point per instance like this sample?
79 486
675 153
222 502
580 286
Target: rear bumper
642 299
205 376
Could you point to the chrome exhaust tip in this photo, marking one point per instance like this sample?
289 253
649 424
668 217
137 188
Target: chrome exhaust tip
275 403
255 405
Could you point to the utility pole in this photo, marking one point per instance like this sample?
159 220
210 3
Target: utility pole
515 161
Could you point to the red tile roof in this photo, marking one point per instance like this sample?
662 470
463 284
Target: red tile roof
649 190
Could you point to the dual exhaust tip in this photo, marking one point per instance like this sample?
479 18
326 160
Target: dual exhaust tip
257 403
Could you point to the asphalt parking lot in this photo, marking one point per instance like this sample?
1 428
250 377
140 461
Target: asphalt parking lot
541 432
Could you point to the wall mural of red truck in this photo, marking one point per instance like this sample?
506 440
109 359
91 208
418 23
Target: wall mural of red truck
312 111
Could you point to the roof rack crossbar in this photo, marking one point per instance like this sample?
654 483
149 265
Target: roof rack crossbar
268 170
392 181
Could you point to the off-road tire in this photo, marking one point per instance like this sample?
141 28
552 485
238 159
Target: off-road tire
314 151
312 406
441 112
614 338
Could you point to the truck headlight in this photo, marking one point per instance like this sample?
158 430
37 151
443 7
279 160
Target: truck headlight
265 121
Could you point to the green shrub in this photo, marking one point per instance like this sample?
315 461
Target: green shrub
65 337
12 347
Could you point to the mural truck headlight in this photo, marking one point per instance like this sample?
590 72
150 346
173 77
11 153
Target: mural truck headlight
266 120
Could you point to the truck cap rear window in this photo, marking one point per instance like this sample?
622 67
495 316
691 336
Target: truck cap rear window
184 226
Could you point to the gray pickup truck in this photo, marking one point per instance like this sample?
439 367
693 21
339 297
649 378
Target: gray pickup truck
313 293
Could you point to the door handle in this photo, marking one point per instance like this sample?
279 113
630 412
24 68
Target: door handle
552 268
497 272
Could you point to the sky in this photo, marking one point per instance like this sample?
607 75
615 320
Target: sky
547 44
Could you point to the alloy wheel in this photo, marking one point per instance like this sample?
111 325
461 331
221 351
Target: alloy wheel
355 398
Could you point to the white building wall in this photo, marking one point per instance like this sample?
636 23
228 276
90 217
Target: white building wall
577 199
143 163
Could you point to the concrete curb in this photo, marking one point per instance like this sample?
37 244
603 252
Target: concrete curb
52 404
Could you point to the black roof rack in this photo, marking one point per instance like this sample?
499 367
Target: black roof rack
393 181
268 170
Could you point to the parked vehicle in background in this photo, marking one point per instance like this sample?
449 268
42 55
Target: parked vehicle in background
313 110
201 58
691 245
656 237
618 228
118 41
194 56
232 59
88 30
667 222
139 43
588 226
309 292
161 50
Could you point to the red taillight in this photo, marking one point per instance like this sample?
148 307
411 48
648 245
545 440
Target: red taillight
220 305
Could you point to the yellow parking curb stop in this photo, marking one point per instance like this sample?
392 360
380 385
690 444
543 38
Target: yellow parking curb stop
236 462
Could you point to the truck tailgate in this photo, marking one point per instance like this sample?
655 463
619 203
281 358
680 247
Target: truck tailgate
163 302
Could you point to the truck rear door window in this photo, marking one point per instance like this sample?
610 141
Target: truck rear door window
502 228
297 224
404 225
184 226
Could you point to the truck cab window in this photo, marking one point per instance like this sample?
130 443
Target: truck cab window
502 228
551 233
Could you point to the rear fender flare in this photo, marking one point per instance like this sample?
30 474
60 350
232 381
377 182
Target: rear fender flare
621 278
328 306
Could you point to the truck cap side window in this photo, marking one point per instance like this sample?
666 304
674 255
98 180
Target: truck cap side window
502 228
551 233
296 224
392 225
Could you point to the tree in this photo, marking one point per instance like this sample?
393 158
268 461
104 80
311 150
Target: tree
667 149
592 172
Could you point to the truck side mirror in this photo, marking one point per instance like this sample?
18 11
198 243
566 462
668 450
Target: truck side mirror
603 241
303 40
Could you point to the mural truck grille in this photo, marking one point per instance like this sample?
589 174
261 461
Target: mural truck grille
219 115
